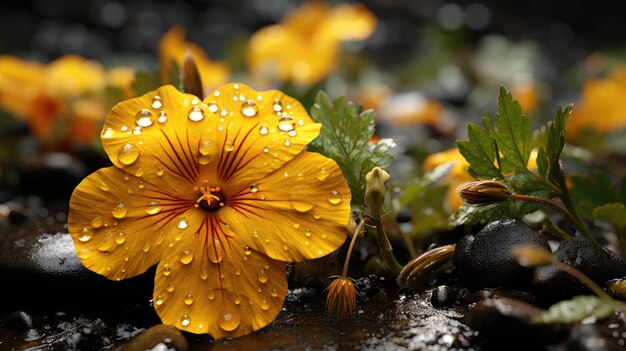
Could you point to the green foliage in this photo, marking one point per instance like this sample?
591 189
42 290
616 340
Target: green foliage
613 213
146 81
592 191
346 138
576 309
548 156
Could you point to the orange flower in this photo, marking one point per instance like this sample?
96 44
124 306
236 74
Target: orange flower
172 49
62 101
311 34
341 297
217 193
600 108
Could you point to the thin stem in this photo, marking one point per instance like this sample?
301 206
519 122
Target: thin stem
384 246
355 236
406 237
571 217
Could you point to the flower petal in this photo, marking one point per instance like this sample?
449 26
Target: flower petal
207 284
118 222
258 131
300 211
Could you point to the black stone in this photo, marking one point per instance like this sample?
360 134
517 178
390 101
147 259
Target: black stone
444 296
484 259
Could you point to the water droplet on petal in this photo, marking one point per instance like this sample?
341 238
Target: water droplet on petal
127 154
166 270
144 118
264 305
237 299
119 211
317 215
323 174
170 287
278 105
238 271
300 199
247 250
216 253
196 113
229 321
266 149
107 133
159 300
263 277
146 246
287 143
263 130
274 293
120 237
160 171
188 299
228 146
211 295
106 242
286 124
254 188
292 133
185 320
186 256
84 235
249 108
182 223
156 102
213 106
153 208
162 117
307 232
96 222
335 197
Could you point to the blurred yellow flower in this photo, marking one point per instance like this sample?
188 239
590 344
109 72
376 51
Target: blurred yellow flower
218 193
172 49
62 102
600 107
304 47
341 298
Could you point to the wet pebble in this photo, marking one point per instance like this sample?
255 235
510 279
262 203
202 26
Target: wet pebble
484 260
160 337
445 295
19 320
551 284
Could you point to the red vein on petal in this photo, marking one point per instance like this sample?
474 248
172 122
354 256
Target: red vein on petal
190 162
232 169
183 172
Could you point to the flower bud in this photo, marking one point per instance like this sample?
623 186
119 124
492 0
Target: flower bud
375 189
484 192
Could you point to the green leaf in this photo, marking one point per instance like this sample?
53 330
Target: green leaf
513 135
613 213
592 191
346 137
576 309
469 214
554 147
146 81
480 151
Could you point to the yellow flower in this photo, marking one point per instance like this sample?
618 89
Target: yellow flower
457 176
218 193
172 49
600 108
305 46
341 298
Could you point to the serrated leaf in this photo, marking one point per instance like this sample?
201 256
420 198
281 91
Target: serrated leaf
346 137
574 310
613 213
554 146
480 151
513 135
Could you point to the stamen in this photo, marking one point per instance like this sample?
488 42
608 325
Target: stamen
211 198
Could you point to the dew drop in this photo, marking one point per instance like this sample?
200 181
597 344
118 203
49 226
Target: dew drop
182 223
127 154
120 237
265 305
96 222
139 172
335 197
104 187
228 146
254 188
300 199
323 174
107 133
307 233
137 130
266 149
263 277
196 113
159 300
274 293
213 106
144 118
162 117
186 256
238 271
296 225
188 300
224 112
185 320
166 270
292 133
317 215
124 128
229 321
286 124
156 102
84 235
204 270
278 105
170 287
247 250
263 130
153 208
300 122
237 299
106 243
119 211
216 254
211 295
146 246
249 108
287 143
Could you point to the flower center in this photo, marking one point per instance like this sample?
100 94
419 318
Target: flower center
212 198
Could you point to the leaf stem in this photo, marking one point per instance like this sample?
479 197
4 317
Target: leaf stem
355 236
384 246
